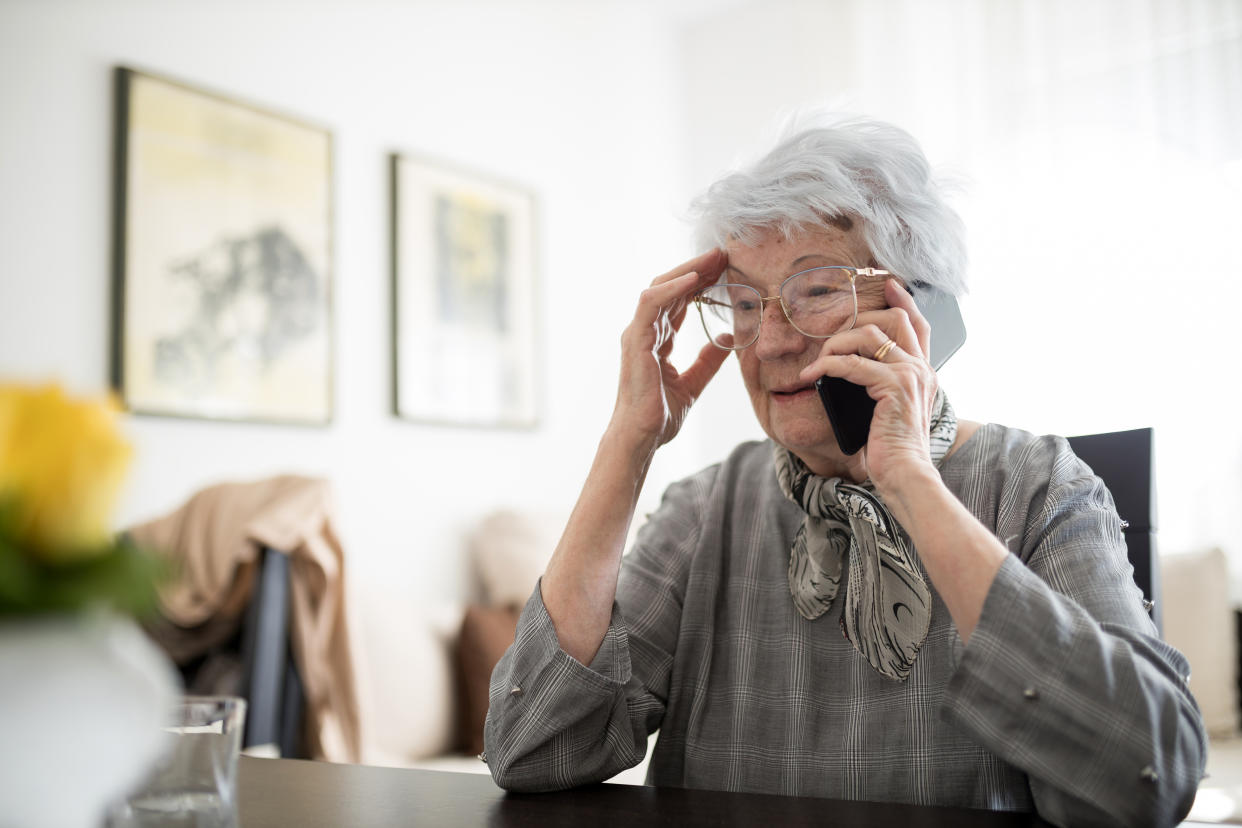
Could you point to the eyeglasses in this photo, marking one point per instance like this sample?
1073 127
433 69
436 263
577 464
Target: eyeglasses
820 302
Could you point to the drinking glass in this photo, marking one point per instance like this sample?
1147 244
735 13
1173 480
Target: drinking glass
195 783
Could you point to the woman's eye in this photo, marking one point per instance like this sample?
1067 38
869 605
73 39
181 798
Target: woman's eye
744 306
819 294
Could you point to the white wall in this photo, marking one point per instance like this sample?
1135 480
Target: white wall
573 100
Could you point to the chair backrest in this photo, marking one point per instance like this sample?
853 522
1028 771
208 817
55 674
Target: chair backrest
270 681
1123 460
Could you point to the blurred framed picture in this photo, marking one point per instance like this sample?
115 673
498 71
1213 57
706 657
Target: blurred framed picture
464 308
222 300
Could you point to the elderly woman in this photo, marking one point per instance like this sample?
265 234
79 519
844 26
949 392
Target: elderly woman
946 617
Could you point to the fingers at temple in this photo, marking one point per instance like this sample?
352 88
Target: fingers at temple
668 300
709 263
662 306
678 284
654 301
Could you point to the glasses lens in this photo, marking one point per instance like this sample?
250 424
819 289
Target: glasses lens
821 301
731 315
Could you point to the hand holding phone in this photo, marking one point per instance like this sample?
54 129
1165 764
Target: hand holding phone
848 405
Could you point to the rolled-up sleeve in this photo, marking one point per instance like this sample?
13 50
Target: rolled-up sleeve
554 723
1066 678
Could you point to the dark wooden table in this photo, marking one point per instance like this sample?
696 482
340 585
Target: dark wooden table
287 792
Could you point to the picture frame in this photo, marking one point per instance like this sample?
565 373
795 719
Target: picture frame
464 284
222 257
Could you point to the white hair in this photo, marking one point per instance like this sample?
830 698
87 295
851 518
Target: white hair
840 172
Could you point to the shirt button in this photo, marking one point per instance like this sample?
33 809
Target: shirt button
516 691
1148 774
1030 694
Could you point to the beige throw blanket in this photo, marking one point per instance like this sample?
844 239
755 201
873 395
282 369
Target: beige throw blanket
215 540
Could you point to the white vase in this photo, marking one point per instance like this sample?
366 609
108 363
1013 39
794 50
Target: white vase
82 700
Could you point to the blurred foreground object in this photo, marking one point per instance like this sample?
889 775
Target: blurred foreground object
62 462
83 690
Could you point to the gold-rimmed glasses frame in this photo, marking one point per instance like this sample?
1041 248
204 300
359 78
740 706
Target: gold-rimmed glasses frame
710 298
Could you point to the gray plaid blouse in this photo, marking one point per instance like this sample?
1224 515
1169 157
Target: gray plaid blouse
1066 702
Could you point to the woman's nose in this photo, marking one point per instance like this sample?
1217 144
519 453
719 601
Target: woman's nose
777 337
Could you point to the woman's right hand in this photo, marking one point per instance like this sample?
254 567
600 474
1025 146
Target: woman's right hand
653 397
580 584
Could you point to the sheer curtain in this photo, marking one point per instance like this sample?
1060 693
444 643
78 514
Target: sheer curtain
1099 143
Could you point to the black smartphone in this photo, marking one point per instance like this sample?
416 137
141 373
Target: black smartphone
850 408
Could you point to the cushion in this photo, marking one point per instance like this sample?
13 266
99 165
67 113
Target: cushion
486 632
509 552
406 676
1199 621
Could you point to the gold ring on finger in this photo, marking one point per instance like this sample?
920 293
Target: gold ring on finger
883 350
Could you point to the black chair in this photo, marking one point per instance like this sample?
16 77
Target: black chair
270 682
1123 460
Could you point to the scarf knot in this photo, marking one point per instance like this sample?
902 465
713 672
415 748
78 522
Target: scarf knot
888 603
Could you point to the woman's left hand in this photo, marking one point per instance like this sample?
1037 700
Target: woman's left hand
902 382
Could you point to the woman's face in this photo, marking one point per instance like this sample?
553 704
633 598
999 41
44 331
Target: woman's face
788 409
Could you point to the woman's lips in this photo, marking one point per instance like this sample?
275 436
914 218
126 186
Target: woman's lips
793 394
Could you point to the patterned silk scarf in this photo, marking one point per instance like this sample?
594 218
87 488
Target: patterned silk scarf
887 604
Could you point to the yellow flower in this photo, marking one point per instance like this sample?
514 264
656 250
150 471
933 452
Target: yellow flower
61 465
